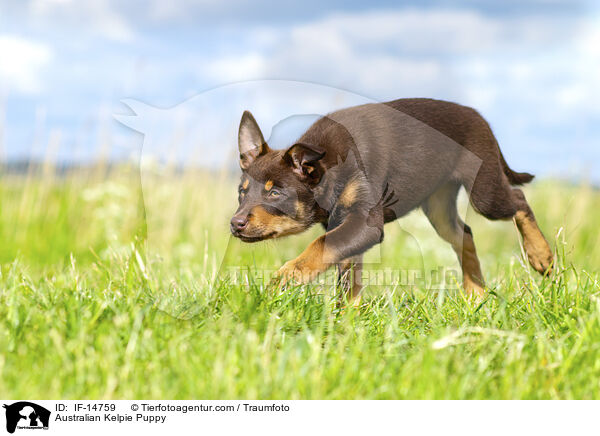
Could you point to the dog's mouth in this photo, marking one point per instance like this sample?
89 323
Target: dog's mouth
258 238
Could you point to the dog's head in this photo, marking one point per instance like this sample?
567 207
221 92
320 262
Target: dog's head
276 188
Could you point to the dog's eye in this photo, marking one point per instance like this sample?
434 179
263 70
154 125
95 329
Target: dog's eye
274 193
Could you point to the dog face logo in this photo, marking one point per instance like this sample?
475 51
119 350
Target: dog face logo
26 415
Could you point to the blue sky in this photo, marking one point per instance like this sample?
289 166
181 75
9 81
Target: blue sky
532 68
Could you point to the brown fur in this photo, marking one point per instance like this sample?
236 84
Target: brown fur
358 168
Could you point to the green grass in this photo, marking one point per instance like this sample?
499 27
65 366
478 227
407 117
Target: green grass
88 308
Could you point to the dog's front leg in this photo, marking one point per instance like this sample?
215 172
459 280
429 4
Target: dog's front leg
350 279
357 232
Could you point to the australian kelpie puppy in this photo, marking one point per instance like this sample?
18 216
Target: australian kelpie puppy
356 169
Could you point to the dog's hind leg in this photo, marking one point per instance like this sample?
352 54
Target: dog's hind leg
538 251
441 210
493 197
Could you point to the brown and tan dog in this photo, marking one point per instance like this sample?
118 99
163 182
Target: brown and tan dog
356 169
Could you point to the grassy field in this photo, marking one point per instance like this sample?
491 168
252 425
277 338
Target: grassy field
108 290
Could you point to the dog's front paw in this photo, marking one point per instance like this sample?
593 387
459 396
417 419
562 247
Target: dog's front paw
294 272
540 255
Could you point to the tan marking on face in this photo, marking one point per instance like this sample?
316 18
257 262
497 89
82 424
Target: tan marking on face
246 183
263 222
349 194
300 210
268 185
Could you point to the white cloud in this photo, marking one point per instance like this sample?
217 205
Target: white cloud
235 68
99 17
535 77
22 63
411 30
583 88
542 61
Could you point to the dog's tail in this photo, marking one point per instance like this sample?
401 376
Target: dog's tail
513 177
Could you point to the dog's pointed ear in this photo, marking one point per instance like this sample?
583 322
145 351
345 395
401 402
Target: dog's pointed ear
250 140
305 160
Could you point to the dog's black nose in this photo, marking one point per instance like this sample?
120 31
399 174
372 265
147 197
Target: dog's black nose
238 224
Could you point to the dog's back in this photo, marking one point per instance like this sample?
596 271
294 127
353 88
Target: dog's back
417 142
358 168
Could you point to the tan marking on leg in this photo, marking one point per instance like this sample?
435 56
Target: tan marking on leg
472 277
349 194
314 260
441 211
268 185
350 271
538 251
